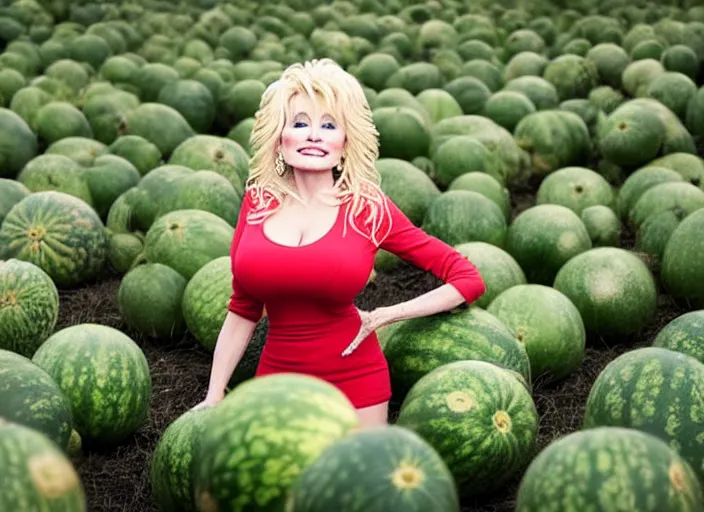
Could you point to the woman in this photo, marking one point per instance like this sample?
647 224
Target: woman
312 219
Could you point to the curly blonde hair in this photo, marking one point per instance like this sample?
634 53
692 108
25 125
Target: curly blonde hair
359 180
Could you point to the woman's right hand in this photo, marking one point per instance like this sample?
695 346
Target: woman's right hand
209 401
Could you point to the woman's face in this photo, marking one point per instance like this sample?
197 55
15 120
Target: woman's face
312 139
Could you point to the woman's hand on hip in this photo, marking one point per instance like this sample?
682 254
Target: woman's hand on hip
371 321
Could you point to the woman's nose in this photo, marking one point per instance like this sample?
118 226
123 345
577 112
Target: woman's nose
313 134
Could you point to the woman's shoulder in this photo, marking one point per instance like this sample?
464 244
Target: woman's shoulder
371 213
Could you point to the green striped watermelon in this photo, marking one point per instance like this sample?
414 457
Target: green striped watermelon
57 232
204 307
547 324
657 391
29 306
185 240
269 429
205 300
105 376
36 475
613 290
420 345
479 417
682 270
609 468
498 269
11 193
379 469
29 396
172 463
685 334
543 238
149 299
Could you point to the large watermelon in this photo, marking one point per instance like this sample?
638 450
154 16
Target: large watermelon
420 345
29 306
11 193
185 240
655 390
57 232
105 376
682 262
173 459
149 299
685 334
498 269
36 475
205 300
545 237
609 468
547 324
613 290
479 417
29 396
270 428
381 469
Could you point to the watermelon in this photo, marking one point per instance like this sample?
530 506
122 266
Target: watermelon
30 397
576 188
29 306
149 299
657 391
547 324
19 143
408 187
479 417
613 290
603 225
612 468
186 240
379 469
684 334
105 376
57 232
498 269
11 193
458 216
420 345
682 263
545 237
639 182
219 154
36 475
172 462
123 249
271 429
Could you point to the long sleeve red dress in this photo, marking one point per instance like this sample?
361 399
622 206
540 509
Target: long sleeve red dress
309 294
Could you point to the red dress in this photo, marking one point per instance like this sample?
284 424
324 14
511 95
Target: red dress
309 294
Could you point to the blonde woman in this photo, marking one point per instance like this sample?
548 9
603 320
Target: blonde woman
312 219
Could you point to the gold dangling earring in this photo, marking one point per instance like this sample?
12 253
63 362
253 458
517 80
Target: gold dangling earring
280 165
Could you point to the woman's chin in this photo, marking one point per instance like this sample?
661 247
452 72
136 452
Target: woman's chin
312 164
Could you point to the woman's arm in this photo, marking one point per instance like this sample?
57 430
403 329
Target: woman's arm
462 281
442 298
233 339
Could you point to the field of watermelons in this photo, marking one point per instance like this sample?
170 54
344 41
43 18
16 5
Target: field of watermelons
556 144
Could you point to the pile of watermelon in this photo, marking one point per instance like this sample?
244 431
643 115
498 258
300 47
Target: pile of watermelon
555 144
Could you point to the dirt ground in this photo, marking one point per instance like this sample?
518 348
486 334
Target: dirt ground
118 479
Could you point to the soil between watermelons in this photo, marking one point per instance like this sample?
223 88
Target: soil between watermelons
119 479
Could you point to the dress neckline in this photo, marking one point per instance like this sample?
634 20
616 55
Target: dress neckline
309 244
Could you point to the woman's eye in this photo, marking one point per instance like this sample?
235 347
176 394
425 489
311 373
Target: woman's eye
299 124
329 126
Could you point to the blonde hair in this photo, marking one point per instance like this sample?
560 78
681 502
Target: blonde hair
359 180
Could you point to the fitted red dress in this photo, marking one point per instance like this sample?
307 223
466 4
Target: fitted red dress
309 294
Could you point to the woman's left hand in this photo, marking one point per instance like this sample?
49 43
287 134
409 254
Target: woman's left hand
371 321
